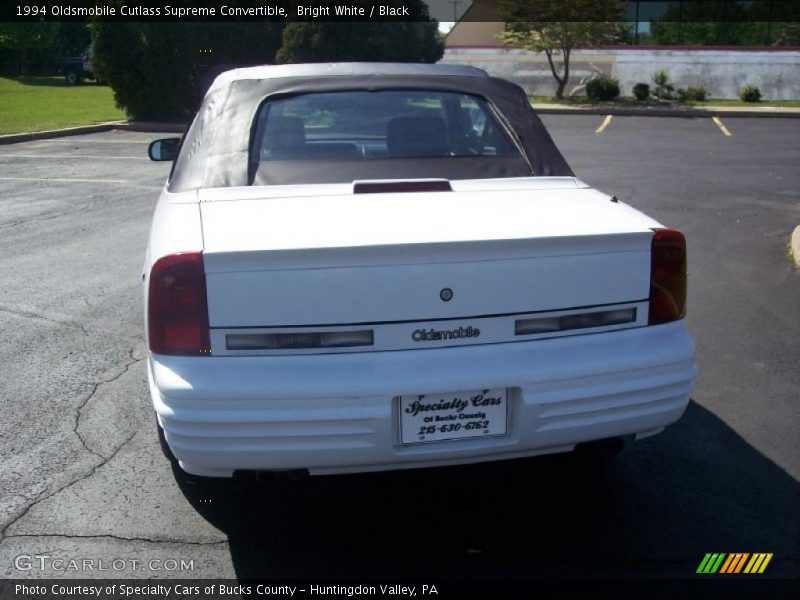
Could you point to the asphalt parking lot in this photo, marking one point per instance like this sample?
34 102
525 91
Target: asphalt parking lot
82 475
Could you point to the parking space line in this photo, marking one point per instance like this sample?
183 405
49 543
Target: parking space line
59 180
72 156
722 127
603 125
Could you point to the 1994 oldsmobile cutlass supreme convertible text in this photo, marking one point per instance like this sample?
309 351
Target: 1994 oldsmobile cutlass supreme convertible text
360 267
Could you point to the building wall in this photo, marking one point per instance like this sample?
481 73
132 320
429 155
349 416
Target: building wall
483 33
721 72
479 26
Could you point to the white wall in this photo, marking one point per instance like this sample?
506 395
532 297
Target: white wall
721 72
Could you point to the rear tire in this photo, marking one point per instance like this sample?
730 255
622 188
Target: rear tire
72 77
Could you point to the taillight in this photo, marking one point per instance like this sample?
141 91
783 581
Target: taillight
177 310
667 276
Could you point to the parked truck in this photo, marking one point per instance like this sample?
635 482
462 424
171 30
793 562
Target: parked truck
77 68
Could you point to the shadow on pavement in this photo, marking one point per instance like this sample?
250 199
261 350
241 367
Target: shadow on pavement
652 511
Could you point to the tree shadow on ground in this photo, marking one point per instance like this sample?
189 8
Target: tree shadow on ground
652 511
52 81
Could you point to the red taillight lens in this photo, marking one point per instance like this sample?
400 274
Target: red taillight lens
667 276
177 310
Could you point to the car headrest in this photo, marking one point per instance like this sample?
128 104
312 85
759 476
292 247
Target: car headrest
412 137
284 135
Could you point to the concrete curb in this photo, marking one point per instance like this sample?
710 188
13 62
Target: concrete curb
55 133
150 126
795 246
679 112
156 127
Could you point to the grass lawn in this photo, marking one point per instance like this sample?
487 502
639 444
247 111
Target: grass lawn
39 103
631 101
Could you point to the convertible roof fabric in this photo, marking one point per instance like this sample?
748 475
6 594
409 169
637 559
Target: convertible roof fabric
215 150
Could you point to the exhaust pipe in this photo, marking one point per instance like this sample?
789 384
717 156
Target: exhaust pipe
613 445
269 477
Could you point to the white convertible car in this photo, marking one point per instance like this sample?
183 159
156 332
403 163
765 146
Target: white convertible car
366 266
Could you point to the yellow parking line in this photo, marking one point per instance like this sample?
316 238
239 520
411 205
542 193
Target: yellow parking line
722 127
603 125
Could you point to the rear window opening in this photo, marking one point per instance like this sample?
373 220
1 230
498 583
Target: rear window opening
340 137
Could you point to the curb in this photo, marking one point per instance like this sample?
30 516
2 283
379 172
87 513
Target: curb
684 113
29 136
144 126
795 246
156 127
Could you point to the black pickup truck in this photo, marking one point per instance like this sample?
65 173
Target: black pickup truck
76 68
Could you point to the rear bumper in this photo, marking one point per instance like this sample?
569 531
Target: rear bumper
336 413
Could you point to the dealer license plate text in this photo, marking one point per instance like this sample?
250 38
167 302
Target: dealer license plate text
453 416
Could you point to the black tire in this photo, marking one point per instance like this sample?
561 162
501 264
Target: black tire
72 77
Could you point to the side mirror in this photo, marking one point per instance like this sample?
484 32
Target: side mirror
166 149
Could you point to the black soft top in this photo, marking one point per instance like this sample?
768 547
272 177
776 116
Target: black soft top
215 150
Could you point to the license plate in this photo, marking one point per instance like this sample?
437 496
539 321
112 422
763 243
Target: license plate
453 416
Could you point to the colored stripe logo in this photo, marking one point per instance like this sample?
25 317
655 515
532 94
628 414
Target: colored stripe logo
733 563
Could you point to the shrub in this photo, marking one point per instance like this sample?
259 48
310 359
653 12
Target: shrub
152 66
661 77
603 88
641 91
692 94
321 41
750 93
664 87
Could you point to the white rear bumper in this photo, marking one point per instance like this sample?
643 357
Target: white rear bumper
336 413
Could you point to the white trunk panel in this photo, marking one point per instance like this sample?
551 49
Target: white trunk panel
386 257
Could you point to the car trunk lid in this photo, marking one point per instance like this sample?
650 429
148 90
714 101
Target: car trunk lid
335 259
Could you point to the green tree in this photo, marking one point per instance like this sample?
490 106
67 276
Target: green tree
72 38
155 68
556 27
402 41
707 23
786 34
39 47
727 23
784 29
24 43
